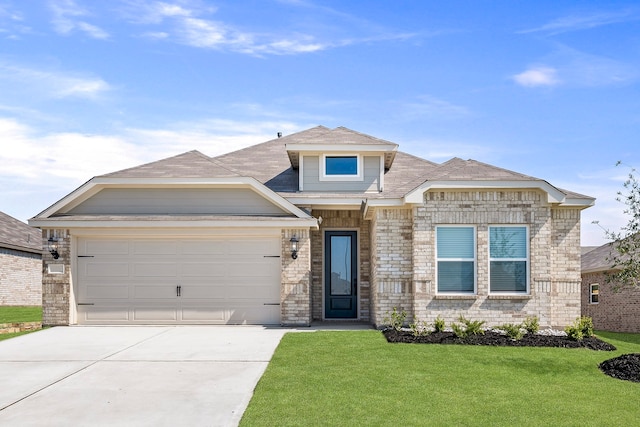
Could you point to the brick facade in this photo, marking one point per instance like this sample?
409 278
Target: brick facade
341 220
20 278
295 295
403 270
617 310
56 287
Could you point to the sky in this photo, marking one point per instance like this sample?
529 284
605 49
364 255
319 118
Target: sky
545 88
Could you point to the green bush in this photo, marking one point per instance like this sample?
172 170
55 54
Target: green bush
396 319
582 327
531 324
513 331
468 327
419 328
439 324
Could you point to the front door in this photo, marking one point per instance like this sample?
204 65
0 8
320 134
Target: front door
340 275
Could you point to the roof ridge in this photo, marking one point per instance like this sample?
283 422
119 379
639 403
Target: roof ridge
196 152
364 134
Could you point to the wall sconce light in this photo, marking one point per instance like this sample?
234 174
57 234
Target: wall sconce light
52 245
294 247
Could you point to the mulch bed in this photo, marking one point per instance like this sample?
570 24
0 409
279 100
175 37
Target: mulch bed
625 367
497 339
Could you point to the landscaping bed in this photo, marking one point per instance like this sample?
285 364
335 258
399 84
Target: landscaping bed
492 338
625 367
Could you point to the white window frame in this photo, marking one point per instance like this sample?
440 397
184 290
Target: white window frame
591 293
359 176
474 259
527 259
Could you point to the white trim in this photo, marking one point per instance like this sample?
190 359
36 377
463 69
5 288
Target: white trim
527 259
71 223
475 258
93 186
342 148
359 176
553 194
381 181
204 233
301 173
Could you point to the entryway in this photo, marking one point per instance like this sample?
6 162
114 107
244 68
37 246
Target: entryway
341 275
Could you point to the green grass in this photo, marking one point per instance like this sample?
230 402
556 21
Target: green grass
356 378
14 314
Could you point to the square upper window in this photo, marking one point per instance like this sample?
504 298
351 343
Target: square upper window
341 165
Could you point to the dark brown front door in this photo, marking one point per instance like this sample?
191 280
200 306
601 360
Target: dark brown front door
340 275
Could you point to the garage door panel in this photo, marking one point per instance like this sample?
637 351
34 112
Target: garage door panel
156 313
105 269
105 291
155 269
155 291
104 247
103 314
155 247
205 313
203 269
222 280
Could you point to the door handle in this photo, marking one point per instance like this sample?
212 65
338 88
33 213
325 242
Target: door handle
178 290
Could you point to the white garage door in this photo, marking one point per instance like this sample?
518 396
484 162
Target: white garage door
165 281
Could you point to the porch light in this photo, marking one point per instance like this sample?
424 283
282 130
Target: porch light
294 247
52 245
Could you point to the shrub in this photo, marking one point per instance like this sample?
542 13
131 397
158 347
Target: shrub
419 328
513 331
396 319
468 327
531 324
439 324
582 327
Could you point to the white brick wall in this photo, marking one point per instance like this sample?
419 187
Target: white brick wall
20 278
404 241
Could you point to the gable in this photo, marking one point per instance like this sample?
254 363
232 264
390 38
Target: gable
177 201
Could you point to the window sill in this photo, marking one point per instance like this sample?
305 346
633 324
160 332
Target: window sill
441 296
510 296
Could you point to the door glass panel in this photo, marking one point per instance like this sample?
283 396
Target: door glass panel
340 265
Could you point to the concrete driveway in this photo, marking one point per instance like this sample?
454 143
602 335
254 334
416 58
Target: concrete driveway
133 376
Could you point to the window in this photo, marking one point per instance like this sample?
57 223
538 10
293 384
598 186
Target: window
341 167
594 292
508 259
456 259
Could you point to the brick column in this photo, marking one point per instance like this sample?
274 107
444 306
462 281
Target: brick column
56 280
295 290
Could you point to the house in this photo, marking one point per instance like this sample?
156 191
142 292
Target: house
318 225
612 308
20 263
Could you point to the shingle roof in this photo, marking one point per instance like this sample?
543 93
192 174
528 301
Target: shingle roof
269 163
15 234
597 259
192 164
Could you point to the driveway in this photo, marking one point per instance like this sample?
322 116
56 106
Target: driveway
136 376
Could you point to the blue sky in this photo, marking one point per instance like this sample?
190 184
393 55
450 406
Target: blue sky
545 88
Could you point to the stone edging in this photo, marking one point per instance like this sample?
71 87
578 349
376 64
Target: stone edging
9 328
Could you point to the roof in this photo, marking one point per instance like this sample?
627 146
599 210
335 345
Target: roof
598 259
15 234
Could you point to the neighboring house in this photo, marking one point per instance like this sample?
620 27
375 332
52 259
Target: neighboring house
195 239
20 263
611 307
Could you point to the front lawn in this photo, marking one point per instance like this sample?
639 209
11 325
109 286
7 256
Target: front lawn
15 314
357 378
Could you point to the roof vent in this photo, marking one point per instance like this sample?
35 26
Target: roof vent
279 134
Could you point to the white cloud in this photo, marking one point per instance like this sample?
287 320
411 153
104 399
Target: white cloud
65 20
54 84
582 22
537 76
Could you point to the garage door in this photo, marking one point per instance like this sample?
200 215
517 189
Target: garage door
166 281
